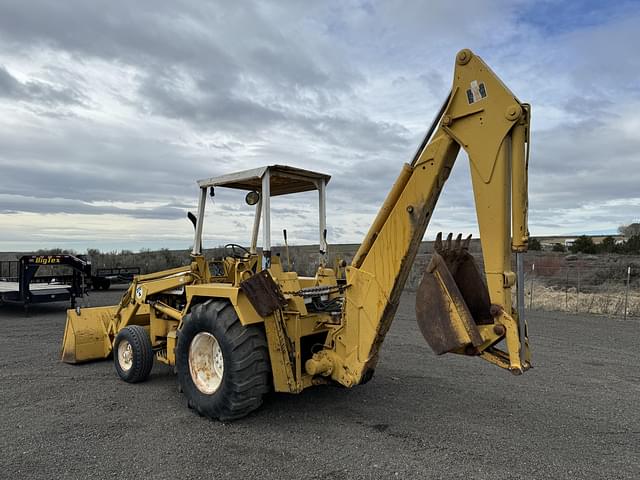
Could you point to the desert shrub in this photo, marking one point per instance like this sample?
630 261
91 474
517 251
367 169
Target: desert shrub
608 245
583 244
534 244
632 245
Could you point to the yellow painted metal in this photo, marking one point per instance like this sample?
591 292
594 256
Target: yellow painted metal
482 117
281 355
87 335
244 309
90 334
289 282
171 347
162 274
162 331
160 323
326 276
375 288
167 310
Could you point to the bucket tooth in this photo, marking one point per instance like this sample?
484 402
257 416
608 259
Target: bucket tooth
452 298
467 242
437 245
458 245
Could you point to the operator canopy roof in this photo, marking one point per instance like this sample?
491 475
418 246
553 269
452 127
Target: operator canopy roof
283 180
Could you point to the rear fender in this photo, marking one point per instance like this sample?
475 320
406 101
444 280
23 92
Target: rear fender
203 292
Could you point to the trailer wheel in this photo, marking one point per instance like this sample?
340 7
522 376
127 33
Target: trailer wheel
133 354
223 367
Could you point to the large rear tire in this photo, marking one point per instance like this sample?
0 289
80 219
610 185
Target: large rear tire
133 354
223 367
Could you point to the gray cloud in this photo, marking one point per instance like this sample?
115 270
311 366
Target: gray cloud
112 102
221 110
591 161
37 92
16 204
9 86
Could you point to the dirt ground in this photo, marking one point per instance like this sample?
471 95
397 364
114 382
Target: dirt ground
575 415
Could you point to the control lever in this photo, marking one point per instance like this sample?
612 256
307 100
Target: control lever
286 246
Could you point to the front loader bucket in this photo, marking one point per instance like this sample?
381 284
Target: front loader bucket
85 335
452 299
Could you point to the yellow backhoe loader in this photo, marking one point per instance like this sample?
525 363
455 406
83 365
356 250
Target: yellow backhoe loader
237 327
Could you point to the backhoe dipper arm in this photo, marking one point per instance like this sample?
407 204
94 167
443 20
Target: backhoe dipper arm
483 117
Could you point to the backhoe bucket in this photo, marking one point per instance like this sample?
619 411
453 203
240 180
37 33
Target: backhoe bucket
85 336
452 299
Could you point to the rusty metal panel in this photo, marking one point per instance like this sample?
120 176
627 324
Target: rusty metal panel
467 276
450 293
263 293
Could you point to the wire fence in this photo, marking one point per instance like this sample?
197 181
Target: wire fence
611 290
596 284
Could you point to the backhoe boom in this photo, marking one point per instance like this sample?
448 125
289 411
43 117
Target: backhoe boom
455 309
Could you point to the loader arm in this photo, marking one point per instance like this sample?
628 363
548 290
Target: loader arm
456 311
89 333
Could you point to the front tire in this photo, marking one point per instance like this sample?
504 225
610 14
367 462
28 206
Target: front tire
133 354
223 367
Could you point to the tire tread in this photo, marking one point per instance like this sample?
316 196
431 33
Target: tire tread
247 369
143 355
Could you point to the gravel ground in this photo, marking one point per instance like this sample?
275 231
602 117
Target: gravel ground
575 415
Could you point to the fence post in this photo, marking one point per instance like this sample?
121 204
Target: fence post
566 290
626 292
533 268
578 291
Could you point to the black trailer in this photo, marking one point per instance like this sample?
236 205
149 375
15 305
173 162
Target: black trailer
103 278
19 283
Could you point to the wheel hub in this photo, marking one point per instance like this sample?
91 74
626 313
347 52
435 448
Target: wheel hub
125 355
206 363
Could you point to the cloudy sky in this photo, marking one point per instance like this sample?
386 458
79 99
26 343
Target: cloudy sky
110 110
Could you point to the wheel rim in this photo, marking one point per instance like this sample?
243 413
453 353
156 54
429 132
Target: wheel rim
125 355
206 363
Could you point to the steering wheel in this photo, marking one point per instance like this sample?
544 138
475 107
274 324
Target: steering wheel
237 251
